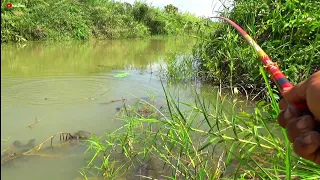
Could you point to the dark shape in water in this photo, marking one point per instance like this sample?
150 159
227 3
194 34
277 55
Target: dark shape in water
82 134
24 147
18 149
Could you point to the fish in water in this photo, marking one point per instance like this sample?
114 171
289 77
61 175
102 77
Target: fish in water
24 147
82 134
17 148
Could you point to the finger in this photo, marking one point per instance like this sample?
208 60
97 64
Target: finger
283 104
298 126
308 146
286 114
306 91
313 94
281 119
297 94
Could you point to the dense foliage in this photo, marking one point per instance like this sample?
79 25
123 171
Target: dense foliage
81 19
286 30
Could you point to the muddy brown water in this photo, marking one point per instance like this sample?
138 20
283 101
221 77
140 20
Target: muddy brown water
67 87
64 85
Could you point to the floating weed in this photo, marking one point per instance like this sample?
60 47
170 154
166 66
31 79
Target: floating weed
121 75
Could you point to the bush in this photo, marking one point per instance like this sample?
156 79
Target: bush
287 30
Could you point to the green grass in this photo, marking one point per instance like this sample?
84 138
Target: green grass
212 138
99 19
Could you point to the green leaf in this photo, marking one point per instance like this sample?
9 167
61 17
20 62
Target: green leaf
209 143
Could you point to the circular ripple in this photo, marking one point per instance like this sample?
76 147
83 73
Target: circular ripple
67 90
70 89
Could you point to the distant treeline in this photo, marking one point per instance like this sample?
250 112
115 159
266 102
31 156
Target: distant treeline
85 19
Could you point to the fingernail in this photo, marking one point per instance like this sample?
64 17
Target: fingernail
307 139
302 124
287 88
288 113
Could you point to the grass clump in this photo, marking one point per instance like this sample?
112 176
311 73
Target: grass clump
207 139
82 20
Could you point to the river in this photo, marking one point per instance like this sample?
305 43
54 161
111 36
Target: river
50 87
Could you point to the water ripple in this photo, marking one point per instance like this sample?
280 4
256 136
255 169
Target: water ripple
67 89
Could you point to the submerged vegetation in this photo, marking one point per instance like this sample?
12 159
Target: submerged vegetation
105 19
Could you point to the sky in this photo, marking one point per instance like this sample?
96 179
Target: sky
198 7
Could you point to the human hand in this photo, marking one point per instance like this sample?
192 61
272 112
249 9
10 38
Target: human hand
303 130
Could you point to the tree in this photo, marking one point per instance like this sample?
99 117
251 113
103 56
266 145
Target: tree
171 9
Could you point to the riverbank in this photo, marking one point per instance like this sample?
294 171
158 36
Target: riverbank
287 31
66 20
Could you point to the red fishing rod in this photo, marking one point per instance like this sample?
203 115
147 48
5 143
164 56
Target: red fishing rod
277 75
